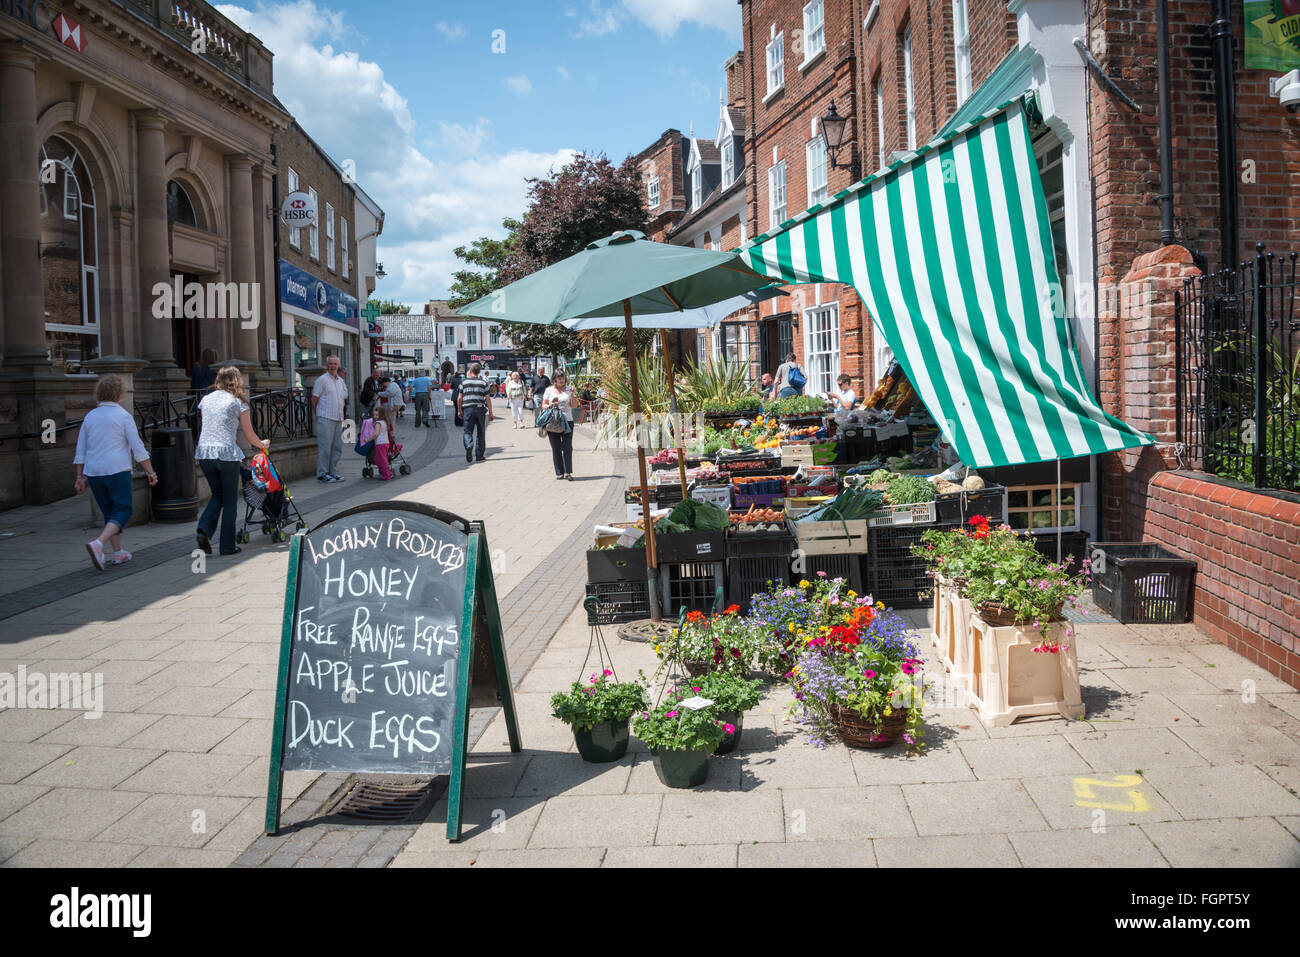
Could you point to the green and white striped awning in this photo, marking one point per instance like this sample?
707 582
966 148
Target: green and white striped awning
950 251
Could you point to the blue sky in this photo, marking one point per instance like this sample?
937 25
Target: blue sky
444 127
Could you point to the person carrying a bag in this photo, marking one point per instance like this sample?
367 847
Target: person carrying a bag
790 379
556 422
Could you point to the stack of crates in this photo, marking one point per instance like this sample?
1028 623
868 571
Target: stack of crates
690 586
895 575
753 561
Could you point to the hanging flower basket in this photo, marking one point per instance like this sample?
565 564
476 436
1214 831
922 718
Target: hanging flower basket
681 768
732 741
696 669
861 732
604 742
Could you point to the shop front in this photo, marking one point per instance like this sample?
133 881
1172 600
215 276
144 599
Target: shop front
320 320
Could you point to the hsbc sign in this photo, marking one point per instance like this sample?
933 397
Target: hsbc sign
298 210
38 15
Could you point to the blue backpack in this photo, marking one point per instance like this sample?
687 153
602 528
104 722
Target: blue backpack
795 379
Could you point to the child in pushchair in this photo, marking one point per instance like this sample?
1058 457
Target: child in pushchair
380 451
265 491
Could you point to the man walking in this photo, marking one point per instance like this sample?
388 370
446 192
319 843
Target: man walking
329 397
475 409
420 387
540 384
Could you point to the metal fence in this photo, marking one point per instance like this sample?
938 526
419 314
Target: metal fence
282 415
1238 360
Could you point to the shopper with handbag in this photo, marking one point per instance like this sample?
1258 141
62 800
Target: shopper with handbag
790 379
556 421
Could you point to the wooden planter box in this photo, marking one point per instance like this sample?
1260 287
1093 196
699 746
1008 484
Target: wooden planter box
830 538
1011 680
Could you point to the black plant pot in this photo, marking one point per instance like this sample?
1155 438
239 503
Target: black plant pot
605 742
731 741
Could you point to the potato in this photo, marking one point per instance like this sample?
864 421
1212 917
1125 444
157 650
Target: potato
973 483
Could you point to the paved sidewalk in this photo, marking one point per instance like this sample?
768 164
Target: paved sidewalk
175 770
1175 765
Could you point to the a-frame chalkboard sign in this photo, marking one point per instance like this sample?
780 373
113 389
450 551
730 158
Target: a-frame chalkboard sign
391 627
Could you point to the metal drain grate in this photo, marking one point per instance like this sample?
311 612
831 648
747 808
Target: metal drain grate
385 803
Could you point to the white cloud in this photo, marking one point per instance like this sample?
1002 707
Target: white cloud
445 193
564 73
665 16
454 32
595 20
518 84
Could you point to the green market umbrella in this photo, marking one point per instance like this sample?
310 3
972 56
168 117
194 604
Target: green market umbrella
629 274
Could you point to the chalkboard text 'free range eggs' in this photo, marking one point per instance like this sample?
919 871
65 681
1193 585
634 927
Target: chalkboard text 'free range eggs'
376 645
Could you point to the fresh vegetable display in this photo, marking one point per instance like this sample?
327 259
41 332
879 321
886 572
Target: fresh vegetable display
797 405
909 490
850 504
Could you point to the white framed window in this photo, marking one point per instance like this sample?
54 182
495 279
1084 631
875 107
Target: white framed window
329 236
961 42
652 193
910 99
471 335
494 335
814 29
880 125
343 239
776 195
295 235
818 191
69 261
449 335
1043 508
697 187
728 161
71 198
776 63
822 347
313 231
419 355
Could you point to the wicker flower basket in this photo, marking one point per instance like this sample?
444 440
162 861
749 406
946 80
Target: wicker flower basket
696 669
859 732
1001 616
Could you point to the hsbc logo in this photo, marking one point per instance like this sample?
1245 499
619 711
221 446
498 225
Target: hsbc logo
298 210
69 33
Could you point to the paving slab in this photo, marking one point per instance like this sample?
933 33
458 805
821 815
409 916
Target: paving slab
486 824
75 854
1252 842
180 732
1037 755
25 725
1242 744
728 817
592 821
835 854
798 764
93 767
1235 790
1097 799
662 857
174 820
972 807
569 857
70 814
18 760
840 814
893 766
1172 680
1230 709
550 775
187 773
1136 749
958 850
1113 847
187 857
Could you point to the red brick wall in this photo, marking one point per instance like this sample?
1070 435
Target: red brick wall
664 159
1247 549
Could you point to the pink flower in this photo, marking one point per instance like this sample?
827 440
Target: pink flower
868 674
729 728
608 673
671 714
695 687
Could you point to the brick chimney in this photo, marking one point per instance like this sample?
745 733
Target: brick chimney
735 72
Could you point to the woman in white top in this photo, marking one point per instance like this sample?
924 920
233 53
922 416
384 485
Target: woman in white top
516 392
846 398
558 395
225 414
105 446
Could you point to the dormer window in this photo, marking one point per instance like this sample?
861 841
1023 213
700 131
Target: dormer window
697 187
728 162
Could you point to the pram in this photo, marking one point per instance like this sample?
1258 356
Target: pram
367 449
264 491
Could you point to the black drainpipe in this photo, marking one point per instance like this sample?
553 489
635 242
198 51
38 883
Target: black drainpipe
275 252
1224 73
1166 127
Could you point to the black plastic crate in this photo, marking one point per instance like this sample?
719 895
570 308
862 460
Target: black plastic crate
690 547
848 567
692 586
668 494
1074 548
1142 583
894 575
957 507
617 602
749 575
616 565
760 545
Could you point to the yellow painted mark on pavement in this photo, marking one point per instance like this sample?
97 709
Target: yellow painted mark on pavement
1136 801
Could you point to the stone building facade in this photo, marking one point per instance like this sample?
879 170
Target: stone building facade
136 151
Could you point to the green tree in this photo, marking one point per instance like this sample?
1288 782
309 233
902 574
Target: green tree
585 200
387 307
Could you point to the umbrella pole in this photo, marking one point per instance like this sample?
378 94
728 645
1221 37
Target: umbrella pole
672 408
652 562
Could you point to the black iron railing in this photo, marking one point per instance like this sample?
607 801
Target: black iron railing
1238 339
281 415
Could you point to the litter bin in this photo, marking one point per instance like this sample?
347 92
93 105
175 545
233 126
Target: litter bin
175 497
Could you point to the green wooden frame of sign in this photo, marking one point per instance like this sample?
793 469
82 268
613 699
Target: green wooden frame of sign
480 612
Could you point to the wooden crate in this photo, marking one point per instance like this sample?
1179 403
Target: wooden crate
796 454
831 538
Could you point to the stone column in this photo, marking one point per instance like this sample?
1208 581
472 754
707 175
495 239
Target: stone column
243 258
20 211
152 243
